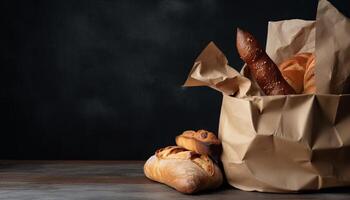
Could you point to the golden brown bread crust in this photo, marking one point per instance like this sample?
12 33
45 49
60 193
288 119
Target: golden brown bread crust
293 70
201 141
260 65
309 77
184 170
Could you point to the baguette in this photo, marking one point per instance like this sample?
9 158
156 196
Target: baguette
260 65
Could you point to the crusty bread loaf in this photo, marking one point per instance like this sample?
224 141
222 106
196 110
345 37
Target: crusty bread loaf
299 72
201 141
184 170
260 65
309 77
293 70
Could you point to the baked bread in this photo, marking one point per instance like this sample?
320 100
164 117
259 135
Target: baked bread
186 171
309 77
201 141
260 65
293 70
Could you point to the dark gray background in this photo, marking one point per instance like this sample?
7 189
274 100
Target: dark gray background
98 79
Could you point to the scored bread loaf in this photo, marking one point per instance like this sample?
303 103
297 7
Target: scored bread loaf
201 141
260 65
309 77
299 72
186 171
293 70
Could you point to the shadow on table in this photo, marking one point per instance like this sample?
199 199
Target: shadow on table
228 188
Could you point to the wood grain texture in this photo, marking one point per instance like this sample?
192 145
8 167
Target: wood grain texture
112 180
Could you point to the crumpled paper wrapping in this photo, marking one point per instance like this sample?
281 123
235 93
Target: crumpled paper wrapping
332 50
286 143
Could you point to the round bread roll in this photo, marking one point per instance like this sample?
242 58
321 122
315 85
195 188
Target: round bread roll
201 141
293 70
309 77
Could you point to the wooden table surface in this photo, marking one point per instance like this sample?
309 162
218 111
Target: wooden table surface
112 180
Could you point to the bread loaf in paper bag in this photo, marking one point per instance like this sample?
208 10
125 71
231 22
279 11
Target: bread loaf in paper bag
286 143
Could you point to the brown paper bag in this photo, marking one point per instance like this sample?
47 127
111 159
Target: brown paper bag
286 143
